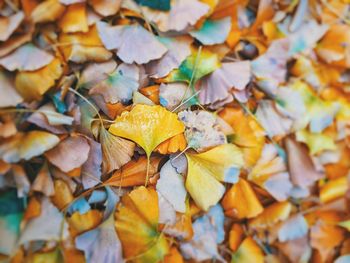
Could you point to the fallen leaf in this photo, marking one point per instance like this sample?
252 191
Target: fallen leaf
26 58
124 38
9 24
116 151
136 225
31 85
213 31
206 171
247 251
27 145
235 208
47 226
7 88
70 153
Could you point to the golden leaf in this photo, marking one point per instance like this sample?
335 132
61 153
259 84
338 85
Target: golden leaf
206 171
137 227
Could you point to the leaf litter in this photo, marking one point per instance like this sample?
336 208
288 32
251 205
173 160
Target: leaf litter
174 131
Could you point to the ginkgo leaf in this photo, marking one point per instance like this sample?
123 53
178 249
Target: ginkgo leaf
271 215
331 48
47 226
171 186
27 145
10 96
134 172
317 142
116 151
293 228
178 50
119 85
106 7
174 96
70 153
270 68
197 65
123 38
81 47
320 234
101 243
33 84
235 208
206 171
9 24
136 225
48 118
217 86
270 163
248 251
174 144
43 182
148 126
213 31
319 114
274 123
236 236
202 130
203 245
26 58
74 19
47 11
91 170
334 189
302 170
182 14
248 134
80 223
94 73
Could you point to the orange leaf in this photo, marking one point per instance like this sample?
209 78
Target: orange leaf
235 207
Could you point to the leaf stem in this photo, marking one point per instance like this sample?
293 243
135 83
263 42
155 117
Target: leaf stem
88 102
147 169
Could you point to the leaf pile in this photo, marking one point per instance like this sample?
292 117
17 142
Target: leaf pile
174 131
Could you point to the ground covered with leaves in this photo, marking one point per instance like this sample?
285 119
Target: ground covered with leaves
174 131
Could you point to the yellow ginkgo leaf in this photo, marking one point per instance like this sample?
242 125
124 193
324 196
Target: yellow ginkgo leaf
271 215
74 19
148 126
27 145
83 46
334 189
247 133
206 171
317 142
33 84
248 252
137 227
233 205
